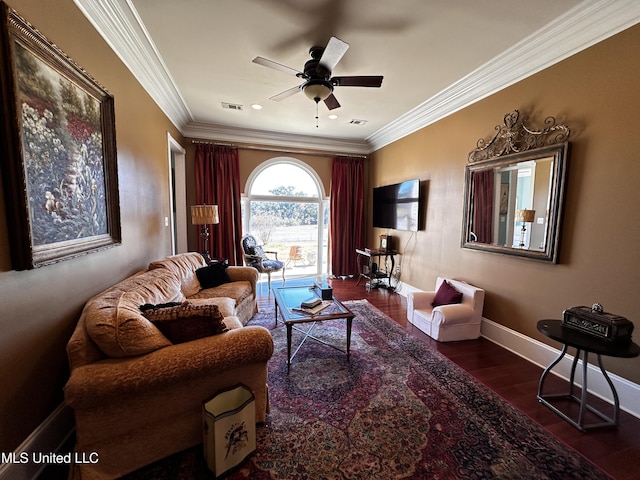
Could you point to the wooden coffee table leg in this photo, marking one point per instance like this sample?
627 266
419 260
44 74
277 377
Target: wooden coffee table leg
349 322
289 330
276 308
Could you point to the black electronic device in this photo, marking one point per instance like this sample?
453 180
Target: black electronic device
397 206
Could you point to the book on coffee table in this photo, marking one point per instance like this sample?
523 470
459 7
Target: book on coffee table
314 310
311 303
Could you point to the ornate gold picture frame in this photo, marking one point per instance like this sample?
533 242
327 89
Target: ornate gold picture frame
58 146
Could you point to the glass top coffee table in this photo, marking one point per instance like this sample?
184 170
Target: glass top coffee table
288 300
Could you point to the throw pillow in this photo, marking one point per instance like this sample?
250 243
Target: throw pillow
446 295
258 251
187 322
213 275
151 306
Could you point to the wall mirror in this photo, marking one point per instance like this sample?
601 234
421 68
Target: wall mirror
514 190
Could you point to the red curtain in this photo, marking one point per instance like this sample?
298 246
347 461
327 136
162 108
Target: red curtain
483 205
217 178
347 214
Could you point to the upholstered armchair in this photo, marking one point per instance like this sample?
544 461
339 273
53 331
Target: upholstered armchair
256 257
453 311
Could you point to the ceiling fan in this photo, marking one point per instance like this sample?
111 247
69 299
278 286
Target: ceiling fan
319 83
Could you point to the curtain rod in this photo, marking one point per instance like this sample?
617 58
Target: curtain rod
277 150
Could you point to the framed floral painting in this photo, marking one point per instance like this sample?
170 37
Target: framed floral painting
58 148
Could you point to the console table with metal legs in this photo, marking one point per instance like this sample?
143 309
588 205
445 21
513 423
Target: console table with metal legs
584 344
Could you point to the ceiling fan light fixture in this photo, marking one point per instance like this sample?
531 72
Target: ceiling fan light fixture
317 72
317 90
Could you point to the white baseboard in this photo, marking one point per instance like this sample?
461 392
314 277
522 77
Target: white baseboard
48 437
404 289
542 355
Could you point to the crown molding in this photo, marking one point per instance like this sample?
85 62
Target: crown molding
585 25
218 133
119 24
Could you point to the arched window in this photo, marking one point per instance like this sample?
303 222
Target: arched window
286 210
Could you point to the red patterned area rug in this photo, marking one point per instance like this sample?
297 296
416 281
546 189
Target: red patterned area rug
395 410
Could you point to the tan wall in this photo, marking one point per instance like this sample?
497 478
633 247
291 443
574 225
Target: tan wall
40 307
596 93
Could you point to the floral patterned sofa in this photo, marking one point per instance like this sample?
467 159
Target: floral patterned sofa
136 395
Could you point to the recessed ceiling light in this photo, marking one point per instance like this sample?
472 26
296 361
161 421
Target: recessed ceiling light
256 106
333 116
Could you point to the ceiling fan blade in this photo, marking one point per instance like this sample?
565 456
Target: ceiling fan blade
357 81
277 66
331 102
333 52
286 93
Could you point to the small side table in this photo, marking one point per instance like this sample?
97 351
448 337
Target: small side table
376 275
585 344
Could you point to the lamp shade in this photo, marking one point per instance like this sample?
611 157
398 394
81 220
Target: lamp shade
317 90
527 216
204 215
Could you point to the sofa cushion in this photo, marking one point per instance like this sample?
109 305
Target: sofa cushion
237 291
187 321
213 275
183 266
114 320
226 305
446 295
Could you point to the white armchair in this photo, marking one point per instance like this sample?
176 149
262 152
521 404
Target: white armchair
447 323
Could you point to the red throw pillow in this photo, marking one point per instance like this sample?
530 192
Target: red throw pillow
446 295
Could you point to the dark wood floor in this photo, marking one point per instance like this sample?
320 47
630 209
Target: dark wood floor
615 450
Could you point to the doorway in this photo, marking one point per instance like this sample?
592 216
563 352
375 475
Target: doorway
178 197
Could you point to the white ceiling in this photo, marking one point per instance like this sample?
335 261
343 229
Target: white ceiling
436 56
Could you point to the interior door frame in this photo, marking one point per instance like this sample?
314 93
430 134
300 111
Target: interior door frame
178 195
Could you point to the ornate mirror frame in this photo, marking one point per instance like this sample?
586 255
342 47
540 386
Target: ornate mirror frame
514 190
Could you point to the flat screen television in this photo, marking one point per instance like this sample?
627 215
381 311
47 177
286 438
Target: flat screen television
397 206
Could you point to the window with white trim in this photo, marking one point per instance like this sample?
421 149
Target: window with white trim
287 212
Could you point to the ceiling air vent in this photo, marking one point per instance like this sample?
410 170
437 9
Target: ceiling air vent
232 106
357 122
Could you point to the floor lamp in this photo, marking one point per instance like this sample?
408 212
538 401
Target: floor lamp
205 215
524 216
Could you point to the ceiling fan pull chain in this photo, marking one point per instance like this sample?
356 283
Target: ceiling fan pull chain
317 115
